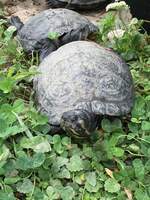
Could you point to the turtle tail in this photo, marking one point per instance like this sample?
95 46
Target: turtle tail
15 21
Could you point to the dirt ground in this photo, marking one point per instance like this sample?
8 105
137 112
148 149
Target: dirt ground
23 9
26 8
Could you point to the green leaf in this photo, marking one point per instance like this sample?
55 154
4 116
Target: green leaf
9 33
91 178
18 106
64 173
112 126
6 113
4 154
52 193
91 188
67 193
134 128
11 180
53 35
61 161
3 60
75 164
37 160
139 107
145 126
139 169
38 194
117 151
12 130
111 185
25 187
36 118
106 125
3 126
88 152
38 143
116 125
57 144
25 162
140 194
134 148
2 21
147 166
66 141
6 196
7 84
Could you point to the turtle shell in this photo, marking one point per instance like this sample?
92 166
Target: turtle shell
77 4
58 21
83 75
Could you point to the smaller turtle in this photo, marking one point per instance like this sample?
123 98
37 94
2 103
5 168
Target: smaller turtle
78 4
80 83
67 24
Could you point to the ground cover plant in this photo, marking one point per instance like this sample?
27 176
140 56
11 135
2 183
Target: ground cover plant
34 165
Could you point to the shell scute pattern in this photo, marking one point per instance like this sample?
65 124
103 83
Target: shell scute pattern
86 76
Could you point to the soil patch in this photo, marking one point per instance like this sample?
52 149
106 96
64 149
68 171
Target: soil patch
26 8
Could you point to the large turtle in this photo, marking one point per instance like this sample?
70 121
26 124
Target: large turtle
68 24
77 4
81 82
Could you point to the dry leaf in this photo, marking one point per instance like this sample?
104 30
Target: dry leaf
109 172
128 193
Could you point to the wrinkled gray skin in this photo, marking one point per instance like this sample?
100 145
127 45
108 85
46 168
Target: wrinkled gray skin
70 26
77 4
79 83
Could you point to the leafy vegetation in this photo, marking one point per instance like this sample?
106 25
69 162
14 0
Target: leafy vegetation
34 165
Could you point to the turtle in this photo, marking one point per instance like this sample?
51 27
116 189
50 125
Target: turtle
79 84
78 4
65 24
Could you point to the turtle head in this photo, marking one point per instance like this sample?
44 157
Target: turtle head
79 123
15 21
